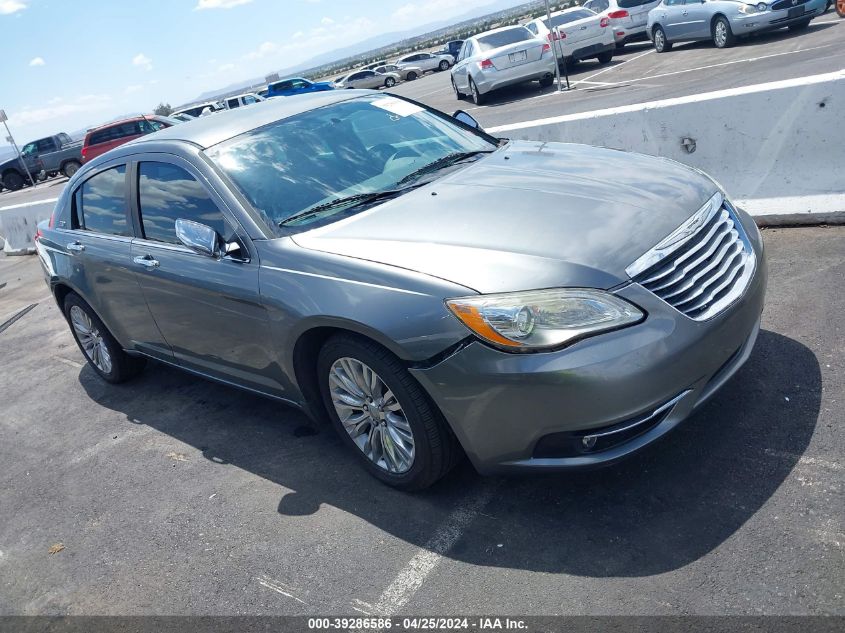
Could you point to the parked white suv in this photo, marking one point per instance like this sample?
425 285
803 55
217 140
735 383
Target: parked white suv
576 34
627 17
248 98
426 61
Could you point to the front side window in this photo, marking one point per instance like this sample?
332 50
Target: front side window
101 203
358 147
233 103
167 193
249 100
30 149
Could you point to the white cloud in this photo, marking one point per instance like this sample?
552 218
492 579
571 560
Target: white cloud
37 61
267 48
133 88
53 112
7 7
142 61
413 13
326 21
226 67
219 4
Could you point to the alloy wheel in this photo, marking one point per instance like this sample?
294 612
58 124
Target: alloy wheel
371 415
721 36
659 40
91 339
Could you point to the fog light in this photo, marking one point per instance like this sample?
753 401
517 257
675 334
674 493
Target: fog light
588 441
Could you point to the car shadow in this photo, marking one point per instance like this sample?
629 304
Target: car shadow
757 39
658 511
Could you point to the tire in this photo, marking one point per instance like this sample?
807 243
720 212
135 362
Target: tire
458 94
606 57
840 8
547 81
411 76
620 46
723 36
799 26
477 97
389 82
13 181
102 351
443 65
661 44
433 449
70 168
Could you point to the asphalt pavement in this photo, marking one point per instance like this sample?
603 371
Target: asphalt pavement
174 495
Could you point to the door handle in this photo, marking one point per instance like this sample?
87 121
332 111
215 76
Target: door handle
146 261
684 13
76 246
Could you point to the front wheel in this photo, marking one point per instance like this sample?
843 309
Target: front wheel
799 26
383 414
661 44
723 36
444 65
389 82
70 168
458 94
13 181
100 348
605 57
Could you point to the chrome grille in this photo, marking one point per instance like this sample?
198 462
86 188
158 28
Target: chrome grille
703 266
787 4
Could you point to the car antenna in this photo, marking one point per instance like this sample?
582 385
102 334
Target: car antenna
556 43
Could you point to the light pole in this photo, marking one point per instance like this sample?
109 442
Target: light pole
11 140
554 31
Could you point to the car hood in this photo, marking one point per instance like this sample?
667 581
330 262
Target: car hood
531 215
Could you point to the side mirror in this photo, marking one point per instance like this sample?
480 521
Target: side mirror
466 119
198 237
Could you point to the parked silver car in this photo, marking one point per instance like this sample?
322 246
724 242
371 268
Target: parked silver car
501 57
426 61
406 73
576 33
724 20
367 79
431 290
628 18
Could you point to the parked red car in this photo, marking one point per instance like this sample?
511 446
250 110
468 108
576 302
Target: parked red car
101 139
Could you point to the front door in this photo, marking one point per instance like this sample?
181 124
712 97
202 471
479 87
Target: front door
208 308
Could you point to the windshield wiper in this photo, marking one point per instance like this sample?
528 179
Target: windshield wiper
357 199
442 162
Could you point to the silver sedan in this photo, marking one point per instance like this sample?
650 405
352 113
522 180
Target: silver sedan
501 57
367 79
724 20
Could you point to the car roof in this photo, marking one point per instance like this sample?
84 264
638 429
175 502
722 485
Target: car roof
498 30
140 117
211 130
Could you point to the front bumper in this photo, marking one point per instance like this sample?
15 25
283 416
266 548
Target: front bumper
768 20
488 80
513 411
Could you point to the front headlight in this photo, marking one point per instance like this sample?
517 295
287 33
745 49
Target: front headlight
750 9
542 319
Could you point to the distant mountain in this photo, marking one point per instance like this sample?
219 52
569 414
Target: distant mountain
376 42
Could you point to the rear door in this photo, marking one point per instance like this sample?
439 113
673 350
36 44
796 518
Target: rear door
208 309
99 242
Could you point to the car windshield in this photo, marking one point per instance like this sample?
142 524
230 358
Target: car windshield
503 38
362 146
566 18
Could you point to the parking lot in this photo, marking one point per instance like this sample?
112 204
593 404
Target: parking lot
171 494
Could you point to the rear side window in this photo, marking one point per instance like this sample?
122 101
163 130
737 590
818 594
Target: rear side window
630 4
503 38
167 193
101 203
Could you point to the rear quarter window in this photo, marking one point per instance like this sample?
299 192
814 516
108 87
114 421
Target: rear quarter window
566 18
100 203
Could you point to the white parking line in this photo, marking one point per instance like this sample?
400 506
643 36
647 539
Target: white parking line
609 68
27 204
428 557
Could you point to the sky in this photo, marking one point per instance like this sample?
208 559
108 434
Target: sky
69 65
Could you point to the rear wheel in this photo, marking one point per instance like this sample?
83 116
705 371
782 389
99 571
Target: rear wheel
70 168
383 415
723 36
389 82
411 76
443 65
477 97
661 44
12 180
605 57
799 26
100 348
547 81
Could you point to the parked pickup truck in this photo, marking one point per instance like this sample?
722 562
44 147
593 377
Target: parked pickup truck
59 154
12 174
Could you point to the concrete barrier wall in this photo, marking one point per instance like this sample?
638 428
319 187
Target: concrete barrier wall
777 148
18 224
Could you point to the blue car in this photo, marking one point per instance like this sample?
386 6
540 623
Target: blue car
725 20
296 86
